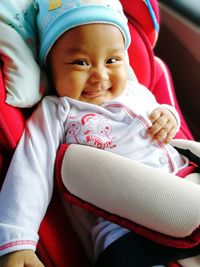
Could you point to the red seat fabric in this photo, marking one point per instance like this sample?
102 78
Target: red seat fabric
11 127
58 245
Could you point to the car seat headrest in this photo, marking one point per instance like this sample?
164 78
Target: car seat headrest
146 14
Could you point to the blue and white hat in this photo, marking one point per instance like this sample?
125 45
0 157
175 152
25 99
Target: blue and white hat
57 16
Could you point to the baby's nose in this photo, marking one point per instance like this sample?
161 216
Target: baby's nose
99 74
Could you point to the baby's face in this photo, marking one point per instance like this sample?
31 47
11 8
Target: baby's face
88 63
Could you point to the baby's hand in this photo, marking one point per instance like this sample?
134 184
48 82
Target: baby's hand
22 258
164 125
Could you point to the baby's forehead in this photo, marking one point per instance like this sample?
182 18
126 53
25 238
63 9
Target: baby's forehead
91 36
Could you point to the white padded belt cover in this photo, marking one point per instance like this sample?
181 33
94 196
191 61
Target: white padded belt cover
147 196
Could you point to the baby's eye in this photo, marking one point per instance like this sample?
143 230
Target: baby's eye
80 62
111 60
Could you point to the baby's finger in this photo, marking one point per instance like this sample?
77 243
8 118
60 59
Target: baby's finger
157 126
161 135
170 135
155 115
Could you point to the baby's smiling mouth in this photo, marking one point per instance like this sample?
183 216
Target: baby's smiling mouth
90 94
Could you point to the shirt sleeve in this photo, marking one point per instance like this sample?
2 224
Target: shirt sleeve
28 185
149 102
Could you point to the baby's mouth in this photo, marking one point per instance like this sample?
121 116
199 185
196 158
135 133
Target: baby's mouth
93 94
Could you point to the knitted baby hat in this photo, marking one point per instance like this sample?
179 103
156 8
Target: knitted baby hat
57 16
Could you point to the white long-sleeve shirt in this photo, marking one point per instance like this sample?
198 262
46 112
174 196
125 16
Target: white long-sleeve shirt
118 126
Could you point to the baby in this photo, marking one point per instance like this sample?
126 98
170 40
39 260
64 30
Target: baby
84 46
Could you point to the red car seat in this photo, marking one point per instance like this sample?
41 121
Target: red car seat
58 245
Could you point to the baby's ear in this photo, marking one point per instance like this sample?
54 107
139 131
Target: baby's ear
22 75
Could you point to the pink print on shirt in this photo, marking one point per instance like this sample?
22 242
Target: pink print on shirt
91 129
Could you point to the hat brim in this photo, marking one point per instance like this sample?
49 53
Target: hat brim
81 15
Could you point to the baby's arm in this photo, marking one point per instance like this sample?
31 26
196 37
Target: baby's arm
165 124
23 258
28 186
164 118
